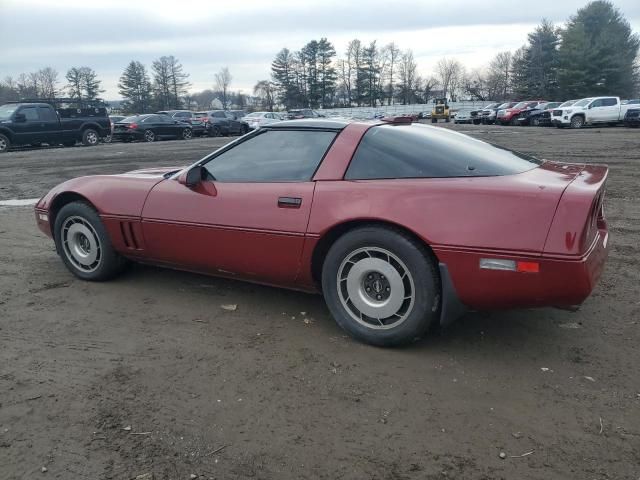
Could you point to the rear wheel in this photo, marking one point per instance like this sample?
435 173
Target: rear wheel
513 122
187 133
535 121
5 143
90 137
149 136
577 121
243 130
107 139
84 245
215 131
381 286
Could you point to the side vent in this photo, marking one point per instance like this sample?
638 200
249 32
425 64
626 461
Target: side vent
129 235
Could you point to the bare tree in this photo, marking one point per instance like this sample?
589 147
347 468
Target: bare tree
222 82
407 73
449 73
499 76
48 82
265 91
391 55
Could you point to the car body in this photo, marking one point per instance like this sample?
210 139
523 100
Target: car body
509 115
198 126
463 116
591 111
112 120
535 115
488 113
632 118
55 122
396 240
298 113
151 127
634 101
222 122
260 119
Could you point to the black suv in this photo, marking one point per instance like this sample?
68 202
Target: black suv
54 122
221 122
198 126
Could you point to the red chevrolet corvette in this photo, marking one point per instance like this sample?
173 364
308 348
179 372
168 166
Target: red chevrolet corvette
399 225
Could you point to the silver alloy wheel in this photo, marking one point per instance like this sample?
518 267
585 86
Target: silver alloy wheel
187 133
3 145
107 139
81 244
149 136
92 137
577 122
376 288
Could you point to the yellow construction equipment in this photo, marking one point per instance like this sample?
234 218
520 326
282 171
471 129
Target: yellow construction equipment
440 110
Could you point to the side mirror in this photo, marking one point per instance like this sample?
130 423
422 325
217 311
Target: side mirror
19 117
192 177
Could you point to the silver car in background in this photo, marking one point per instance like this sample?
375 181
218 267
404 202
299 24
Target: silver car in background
260 119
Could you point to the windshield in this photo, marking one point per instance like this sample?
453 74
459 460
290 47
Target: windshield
504 105
255 114
568 103
521 105
583 102
133 119
6 111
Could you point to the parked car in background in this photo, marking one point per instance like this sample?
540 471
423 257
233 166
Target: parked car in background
238 114
260 119
509 115
635 101
112 120
488 114
198 126
533 115
591 111
632 118
298 113
222 122
55 122
150 127
463 116
313 205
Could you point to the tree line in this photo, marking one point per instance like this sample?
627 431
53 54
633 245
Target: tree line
595 53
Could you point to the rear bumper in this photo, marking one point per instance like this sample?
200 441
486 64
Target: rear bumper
559 283
127 136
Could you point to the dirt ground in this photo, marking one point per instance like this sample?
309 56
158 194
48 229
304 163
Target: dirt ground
149 375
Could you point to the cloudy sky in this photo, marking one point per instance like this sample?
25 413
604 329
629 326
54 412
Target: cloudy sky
245 35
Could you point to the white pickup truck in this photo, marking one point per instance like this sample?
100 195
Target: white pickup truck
590 111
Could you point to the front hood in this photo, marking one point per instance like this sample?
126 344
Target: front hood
152 172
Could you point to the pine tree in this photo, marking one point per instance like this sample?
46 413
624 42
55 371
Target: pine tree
83 83
284 78
542 62
162 84
597 53
326 72
135 88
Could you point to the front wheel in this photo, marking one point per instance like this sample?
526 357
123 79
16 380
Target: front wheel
577 121
5 143
90 138
535 121
84 245
381 286
107 139
215 131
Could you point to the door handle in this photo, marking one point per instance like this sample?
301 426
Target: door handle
289 202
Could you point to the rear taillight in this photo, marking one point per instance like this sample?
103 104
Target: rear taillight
133 126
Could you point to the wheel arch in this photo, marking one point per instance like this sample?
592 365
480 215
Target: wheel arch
330 236
7 133
60 201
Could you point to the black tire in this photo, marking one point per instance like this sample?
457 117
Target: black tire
149 136
434 120
83 218
5 143
244 130
403 254
577 121
215 131
90 138
107 139
187 134
535 122
514 122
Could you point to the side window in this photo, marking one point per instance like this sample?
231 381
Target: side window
154 119
219 115
596 103
230 116
609 102
272 156
47 114
268 115
30 113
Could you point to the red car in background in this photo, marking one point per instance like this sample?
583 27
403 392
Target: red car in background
399 225
509 116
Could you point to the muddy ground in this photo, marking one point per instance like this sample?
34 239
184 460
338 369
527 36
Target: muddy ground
149 375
